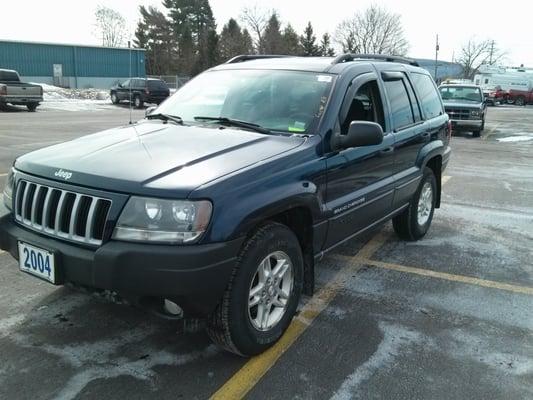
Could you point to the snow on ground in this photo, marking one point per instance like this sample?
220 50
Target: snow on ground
520 137
57 98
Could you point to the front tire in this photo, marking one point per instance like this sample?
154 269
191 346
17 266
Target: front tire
263 293
414 222
137 101
520 101
114 98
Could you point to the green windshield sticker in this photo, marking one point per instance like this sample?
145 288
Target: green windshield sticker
298 126
296 129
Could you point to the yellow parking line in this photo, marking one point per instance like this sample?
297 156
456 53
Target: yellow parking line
247 377
3 174
441 275
445 179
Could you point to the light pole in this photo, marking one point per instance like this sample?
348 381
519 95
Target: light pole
436 56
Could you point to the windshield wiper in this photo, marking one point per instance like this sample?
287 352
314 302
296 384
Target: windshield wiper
236 122
165 117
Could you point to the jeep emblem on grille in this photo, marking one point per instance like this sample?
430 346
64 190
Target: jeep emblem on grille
63 174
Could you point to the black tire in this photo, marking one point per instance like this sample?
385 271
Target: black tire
138 102
114 98
230 325
406 224
32 107
476 134
520 101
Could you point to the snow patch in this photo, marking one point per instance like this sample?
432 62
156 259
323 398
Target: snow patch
516 138
395 338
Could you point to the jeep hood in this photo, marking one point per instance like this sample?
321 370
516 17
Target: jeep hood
154 158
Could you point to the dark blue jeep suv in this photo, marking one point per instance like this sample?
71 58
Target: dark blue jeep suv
220 201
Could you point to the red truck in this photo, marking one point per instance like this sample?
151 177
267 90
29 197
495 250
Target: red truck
521 97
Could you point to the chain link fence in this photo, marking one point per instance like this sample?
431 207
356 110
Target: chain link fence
173 81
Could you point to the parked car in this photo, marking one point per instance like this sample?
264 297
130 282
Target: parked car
466 107
140 91
15 92
521 97
495 95
222 200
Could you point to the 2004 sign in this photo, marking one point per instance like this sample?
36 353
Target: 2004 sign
37 261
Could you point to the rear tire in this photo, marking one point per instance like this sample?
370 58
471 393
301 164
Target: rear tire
236 324
520 101
32 107
476 134
414 222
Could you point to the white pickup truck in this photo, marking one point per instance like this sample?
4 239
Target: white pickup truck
15 92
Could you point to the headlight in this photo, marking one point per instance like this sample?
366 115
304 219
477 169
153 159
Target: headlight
163 221
475 113
8 189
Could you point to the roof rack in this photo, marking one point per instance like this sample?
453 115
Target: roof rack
248 57
380 57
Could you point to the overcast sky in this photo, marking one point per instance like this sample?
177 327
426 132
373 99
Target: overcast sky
507 22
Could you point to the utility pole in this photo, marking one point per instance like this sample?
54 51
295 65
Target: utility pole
491 52
129 46
436 56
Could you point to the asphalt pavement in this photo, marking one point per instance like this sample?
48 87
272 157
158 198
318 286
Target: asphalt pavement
448 317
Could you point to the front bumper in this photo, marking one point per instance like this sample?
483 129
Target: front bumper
466 124
193 276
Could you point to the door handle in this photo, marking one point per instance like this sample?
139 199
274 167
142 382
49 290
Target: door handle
387 150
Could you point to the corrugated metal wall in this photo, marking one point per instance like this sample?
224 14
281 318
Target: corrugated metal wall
37 59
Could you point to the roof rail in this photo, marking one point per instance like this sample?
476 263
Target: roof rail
248 57
379 57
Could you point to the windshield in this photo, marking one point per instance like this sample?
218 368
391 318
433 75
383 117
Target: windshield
461 93
287 101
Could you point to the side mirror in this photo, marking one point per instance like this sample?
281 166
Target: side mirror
149 110
361 133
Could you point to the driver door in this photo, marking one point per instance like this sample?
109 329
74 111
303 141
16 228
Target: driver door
360 186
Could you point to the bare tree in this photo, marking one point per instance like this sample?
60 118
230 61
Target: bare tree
375 31
475 53
256 19
110 26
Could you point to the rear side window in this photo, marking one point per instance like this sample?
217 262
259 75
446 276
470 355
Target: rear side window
429 97
157 85
402 113
9 76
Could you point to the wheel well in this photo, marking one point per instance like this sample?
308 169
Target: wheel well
300 221
435 164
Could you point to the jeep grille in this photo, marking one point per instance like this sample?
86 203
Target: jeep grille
61 213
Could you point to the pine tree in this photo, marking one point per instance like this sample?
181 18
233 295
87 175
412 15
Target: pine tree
291 41
308 42
195 30
272 38
325 46
155 34
233 41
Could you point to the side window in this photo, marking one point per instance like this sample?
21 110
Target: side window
486 81
366 105
429 96
402 113
126 84
414 103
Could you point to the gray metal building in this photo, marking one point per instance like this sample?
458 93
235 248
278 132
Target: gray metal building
70 65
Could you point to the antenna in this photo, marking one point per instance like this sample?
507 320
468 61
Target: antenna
129 46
